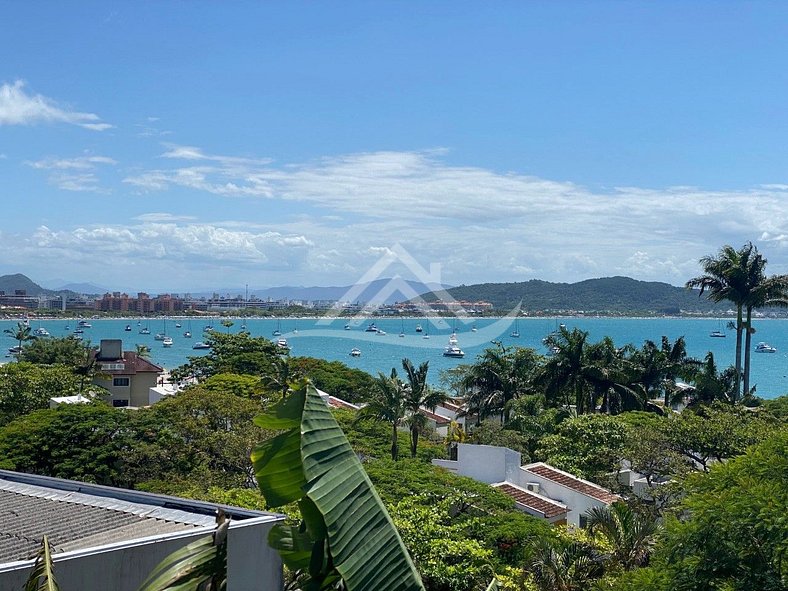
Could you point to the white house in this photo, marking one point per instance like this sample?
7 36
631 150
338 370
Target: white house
539 489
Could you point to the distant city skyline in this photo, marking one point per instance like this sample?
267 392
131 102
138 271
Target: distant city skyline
176 147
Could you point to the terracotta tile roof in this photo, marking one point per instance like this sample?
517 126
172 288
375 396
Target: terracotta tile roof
451 406
537 503
133 364
339 403
582 486
439 420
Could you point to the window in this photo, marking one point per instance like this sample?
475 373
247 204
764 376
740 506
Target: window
584 521
120 403
121 381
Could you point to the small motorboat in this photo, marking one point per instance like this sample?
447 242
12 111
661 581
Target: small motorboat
128 328
42 332
178 325
145 330
717 334
453 348
201 345
159 336
355 352
765 348
372 328
347 327
419 328
187 335
166 342
84 324
282 343
381 332
15 350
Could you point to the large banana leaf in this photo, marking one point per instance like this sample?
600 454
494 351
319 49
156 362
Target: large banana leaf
199 566
42 578
351 533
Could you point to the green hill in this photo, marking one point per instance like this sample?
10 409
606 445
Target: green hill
10 283
621 295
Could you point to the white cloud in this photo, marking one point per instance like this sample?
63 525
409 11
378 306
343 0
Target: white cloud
74 174
17 107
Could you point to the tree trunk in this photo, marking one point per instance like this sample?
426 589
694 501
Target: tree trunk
394 443
747 349
414 441
739 328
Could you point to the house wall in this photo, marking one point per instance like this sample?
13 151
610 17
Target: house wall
487 463
141 383
251 563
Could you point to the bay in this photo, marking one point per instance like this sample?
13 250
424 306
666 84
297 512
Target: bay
328 339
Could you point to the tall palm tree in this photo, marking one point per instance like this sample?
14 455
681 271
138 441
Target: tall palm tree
565 375
387 403
631 535
763 291
728 276
657 367
21 334
279 374
419 394
568 567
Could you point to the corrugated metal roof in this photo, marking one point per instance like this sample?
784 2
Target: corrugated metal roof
74 520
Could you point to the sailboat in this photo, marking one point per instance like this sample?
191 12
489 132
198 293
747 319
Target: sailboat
718 334
402 328
278 331
145 329
160 336
515 334
188 333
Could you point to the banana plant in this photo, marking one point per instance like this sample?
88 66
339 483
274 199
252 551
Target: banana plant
42 578
346 539
199 566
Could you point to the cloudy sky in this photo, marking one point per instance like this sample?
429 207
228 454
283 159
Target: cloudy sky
174 146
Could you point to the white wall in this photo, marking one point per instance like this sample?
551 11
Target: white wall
251 564
487 463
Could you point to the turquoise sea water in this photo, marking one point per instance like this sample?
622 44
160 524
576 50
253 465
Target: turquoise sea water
329 339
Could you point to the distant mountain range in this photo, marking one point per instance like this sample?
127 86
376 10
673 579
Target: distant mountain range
607 294
380 291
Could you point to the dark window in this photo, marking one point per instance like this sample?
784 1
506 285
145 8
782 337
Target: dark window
118 403
120 381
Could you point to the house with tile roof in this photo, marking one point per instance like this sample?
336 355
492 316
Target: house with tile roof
538 489
110 538
125 375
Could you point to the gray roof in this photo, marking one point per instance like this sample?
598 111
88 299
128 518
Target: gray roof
75 520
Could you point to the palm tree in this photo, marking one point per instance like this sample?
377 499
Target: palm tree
143 351
631 535
387 403
21 334
763 291
279 374
569 567
227 324
612 378
419 394
657 368
728 276
565 374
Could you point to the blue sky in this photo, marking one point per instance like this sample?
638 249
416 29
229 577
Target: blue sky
174 146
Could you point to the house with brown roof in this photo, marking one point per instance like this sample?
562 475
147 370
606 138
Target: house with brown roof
538 489
535 504
125 375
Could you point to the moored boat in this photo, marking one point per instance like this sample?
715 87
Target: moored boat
355 352
201 345
765 348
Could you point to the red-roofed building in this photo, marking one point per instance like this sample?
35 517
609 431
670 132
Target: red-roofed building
534 503
126 376
502 467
